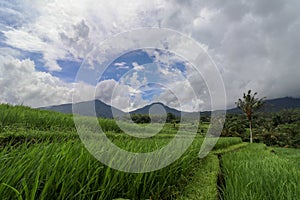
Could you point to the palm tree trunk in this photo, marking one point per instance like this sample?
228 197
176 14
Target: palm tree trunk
250 126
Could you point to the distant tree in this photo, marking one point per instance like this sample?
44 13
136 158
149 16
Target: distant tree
233 127
248 104
170 118
140 119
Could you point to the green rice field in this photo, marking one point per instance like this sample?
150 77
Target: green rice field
42 157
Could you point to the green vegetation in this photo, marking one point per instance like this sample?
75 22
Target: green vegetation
42 157
292 155
206 176
248 105
25 118
141 119
225 143
204 181
256 172
274 128
280 129
68 171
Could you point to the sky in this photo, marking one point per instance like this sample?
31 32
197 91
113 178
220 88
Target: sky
44 44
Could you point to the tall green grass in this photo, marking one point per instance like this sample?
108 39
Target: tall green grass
26 118
257 173
290 154
226 142
16 138
22 118
68 171
42 157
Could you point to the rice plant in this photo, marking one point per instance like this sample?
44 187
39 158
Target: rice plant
256 172
42 157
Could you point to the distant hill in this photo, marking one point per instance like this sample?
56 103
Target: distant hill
87 109
145 110
274 105
105 111
282 103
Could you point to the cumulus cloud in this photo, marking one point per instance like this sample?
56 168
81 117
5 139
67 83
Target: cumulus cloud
21 84
69 30
188 91
120 96
253 43
137 67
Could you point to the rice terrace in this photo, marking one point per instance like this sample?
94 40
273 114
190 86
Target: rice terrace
42 158
149 100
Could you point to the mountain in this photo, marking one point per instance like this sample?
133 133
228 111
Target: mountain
271 105
282 103
177 113
145 110
106 111
87 109
274 105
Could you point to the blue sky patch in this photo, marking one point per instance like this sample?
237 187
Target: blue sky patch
69 70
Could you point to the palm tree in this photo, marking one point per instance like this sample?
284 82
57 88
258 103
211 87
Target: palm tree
248 105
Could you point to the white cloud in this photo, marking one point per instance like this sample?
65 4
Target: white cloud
254 43
68 30
21 84
28 42
120 96
137 67
121 65
188 93
7 51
